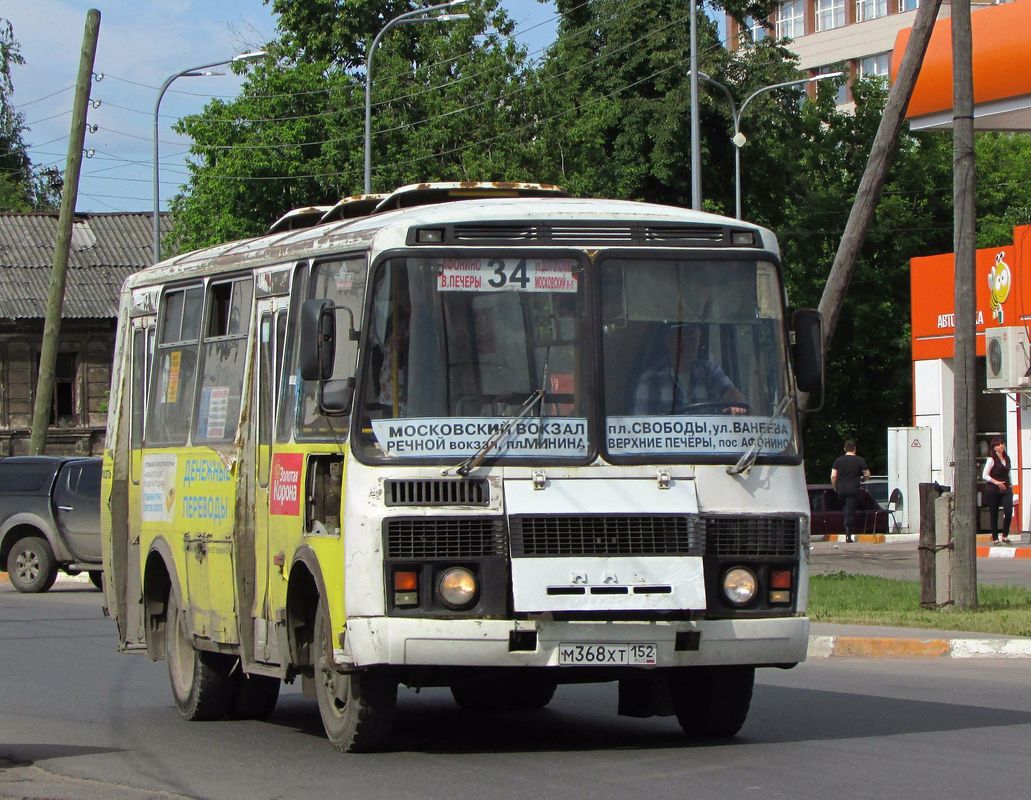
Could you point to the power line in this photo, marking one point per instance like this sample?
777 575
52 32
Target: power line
493 99
44 97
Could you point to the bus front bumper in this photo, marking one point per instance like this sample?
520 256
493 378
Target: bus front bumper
374 641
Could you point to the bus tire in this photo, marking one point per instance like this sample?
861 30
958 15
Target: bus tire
254 696
201 686
357 708
31 565
712 702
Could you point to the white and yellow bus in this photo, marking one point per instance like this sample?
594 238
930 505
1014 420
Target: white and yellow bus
479 436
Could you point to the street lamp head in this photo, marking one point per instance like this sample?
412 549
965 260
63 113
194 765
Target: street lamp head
250 56
449 17
738 139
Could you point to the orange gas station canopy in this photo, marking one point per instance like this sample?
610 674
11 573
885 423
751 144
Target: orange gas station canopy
1001 68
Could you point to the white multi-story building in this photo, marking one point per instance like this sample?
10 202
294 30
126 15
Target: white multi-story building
825 33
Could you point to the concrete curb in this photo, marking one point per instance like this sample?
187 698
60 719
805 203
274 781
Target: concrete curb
870 538
911 647
1003 551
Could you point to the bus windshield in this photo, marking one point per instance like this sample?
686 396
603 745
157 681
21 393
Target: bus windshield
455 346
693 359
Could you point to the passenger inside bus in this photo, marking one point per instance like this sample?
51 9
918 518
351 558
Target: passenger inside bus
681 382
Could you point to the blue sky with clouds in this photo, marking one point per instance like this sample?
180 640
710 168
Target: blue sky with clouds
141 43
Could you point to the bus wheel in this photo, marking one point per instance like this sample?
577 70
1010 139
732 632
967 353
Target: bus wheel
712 701
357 708
201 685
254 696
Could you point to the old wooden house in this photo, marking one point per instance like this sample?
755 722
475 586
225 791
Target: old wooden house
105 249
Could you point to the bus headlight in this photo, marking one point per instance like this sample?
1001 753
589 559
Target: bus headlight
739 585
457 587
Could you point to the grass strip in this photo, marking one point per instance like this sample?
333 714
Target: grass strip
844 598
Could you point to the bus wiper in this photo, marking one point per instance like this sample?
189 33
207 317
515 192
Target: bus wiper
471 463
752 453
543 390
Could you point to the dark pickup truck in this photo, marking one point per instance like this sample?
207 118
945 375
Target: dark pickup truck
49 519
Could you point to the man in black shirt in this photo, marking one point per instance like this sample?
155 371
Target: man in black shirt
847 472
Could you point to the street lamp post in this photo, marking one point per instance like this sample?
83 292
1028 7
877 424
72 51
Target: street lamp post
192 72
416 15
736 113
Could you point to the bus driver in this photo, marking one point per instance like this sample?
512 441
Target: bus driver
686 380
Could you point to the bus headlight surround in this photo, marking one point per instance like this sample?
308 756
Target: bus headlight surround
740 585
457 588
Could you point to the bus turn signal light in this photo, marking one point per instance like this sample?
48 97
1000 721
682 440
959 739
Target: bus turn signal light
780 579
406 588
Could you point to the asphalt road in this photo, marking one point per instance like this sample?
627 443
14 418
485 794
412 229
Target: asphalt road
79 720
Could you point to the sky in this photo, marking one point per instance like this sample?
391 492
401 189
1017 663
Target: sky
141 43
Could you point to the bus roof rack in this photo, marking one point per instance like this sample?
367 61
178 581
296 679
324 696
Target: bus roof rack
304 217
357 205
421 194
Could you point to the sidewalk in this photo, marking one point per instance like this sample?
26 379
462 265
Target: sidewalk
869 641
985 548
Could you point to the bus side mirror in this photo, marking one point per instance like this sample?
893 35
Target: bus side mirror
335 397
807 355
317 350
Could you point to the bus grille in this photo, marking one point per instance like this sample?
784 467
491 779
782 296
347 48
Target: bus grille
433 492
655 234
751 536
439 537
608 535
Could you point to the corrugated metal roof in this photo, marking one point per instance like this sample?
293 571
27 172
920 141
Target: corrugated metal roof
106 249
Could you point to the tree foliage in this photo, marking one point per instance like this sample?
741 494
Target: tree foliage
604 113
21 187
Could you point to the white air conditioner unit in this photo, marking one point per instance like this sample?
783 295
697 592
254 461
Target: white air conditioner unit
1008 358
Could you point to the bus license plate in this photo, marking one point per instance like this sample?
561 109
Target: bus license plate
603 655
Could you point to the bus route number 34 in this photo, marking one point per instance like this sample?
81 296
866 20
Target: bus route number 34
607 655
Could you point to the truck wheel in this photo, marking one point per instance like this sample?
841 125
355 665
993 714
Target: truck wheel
357 708
31 565
712 701
96 577
254 696
201 685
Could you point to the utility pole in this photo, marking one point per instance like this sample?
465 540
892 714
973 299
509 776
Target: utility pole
876 172
55 300
964 563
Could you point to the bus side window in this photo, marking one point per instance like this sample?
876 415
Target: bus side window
224 355
137 385
266 401
286 347
343 282
171 386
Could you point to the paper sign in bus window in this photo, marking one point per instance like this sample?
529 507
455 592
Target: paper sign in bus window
172 391
214 407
